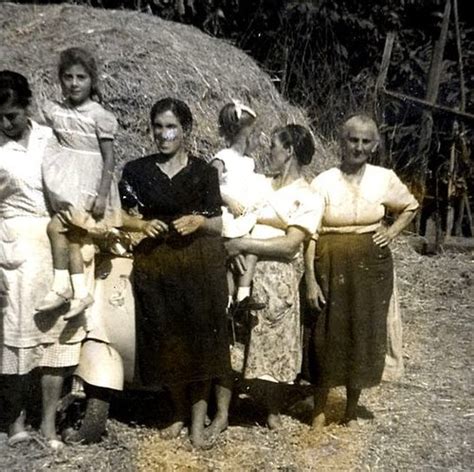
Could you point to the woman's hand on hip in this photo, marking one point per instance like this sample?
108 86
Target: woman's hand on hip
188 224
154 228
382 236
314 295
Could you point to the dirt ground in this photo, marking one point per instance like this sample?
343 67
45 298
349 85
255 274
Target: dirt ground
422 422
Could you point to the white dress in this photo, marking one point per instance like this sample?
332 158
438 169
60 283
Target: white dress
241 183
28 340
72 175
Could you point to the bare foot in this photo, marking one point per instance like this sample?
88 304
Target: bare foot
274 421
319 421
172 431
350 422
200 442
18 426
219 425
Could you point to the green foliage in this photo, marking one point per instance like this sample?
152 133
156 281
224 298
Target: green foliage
325 55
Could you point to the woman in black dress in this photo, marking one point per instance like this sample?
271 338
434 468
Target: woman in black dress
179 268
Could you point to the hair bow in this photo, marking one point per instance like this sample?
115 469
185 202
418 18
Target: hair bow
240 107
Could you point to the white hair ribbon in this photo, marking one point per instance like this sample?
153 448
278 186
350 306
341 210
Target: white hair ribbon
240 107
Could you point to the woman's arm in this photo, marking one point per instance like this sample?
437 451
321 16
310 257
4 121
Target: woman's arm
107 151
386 234
189 224
314 294
281 247
151 228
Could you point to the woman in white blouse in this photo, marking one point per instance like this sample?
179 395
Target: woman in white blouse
28 341
289 216
349 268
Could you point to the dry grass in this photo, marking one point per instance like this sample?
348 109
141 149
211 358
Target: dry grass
144 58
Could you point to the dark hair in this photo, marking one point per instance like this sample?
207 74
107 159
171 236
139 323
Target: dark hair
74 56
300 138
178 108
14 89
230 124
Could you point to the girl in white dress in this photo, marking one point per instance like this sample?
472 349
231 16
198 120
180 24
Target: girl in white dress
242 189
79 178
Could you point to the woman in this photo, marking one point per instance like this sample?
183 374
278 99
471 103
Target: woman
179 268
349 269
28 341
291 214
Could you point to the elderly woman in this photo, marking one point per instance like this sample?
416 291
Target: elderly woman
349 269
290 215
28 341
179 268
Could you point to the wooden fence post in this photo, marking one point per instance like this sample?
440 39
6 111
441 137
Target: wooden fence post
427 121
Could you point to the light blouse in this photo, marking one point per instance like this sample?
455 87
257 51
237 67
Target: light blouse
292 205
21 187
359 207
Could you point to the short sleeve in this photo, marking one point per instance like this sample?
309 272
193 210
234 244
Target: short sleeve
106 124
212 197
127 188
397 197
307 212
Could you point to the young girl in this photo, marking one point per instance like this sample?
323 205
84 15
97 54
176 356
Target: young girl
242 189
79 178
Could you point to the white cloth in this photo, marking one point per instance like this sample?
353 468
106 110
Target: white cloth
293 205
25 251
360 207
240 181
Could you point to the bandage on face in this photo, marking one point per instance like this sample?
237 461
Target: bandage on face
169 134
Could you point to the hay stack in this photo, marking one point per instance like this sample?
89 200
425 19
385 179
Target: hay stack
143 58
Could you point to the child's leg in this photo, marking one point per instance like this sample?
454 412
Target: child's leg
245 280
231 287
61 288
82 298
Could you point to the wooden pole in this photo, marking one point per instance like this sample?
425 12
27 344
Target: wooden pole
432 92
378 99
462 115
427 121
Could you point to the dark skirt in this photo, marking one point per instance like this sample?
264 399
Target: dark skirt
181 297
346 344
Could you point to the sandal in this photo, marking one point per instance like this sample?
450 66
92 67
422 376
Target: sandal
22 436
54 300
78 305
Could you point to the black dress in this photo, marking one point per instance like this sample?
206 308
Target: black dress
179 281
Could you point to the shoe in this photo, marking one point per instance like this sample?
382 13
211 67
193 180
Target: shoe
54 300
249 304
22 436
55 444
78 305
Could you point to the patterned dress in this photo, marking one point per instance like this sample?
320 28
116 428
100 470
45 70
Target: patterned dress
179 281
275 347
28 340
72 175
